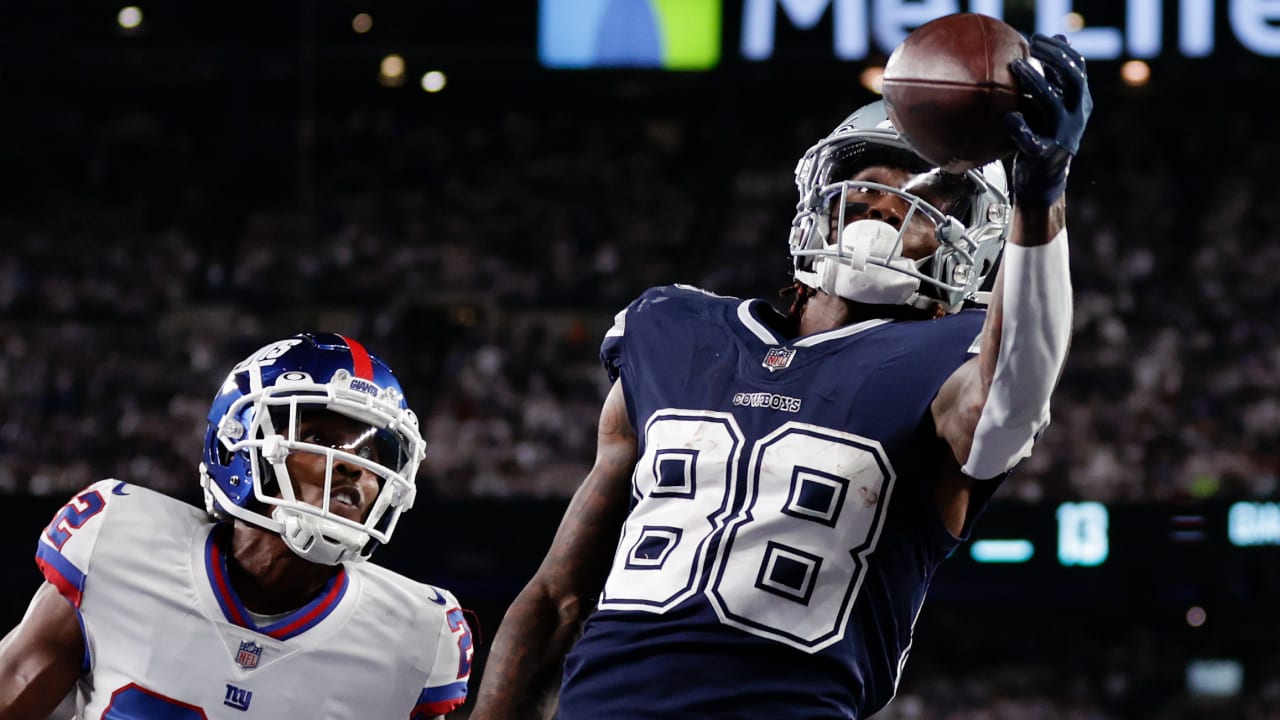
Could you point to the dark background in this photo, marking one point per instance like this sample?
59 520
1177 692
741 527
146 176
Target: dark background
176 196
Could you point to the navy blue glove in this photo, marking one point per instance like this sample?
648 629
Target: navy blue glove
1061 97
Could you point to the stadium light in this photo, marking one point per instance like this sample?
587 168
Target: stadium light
433 81
129 17
391 71
1135 73
872 78
362 23
1196 616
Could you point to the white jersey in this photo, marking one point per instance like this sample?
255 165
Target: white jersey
167 637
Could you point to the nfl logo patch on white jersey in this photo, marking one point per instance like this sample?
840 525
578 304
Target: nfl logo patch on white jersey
248 655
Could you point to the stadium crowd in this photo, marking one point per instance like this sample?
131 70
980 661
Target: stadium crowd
147 249
489 258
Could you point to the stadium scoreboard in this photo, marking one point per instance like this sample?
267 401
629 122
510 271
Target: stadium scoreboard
1183 553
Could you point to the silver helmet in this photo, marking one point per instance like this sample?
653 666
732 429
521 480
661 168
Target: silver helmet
969 214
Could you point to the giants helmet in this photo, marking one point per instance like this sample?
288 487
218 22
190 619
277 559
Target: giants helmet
253 427
969 213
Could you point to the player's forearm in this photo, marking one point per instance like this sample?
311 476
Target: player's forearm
543 622
31 686
524 663
1033 225
40 658
1028 335
28 702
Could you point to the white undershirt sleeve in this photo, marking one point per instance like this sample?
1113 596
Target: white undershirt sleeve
1034 335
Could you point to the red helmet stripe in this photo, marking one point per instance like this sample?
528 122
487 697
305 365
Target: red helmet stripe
363 366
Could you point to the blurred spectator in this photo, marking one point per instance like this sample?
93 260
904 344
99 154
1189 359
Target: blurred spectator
497 248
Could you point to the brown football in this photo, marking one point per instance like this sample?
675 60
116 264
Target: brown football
948 84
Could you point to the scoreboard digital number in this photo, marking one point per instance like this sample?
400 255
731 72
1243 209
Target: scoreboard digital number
1083 538
1253 523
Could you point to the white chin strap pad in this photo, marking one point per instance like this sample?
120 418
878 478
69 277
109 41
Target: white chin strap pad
1034 335
861 281
319 540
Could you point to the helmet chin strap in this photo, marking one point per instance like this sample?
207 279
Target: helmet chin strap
315 539
860 281
318 540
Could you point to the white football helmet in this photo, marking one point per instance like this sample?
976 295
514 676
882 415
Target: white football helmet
970 215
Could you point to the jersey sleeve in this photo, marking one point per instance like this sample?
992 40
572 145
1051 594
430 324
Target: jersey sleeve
613 348
446 686
65 549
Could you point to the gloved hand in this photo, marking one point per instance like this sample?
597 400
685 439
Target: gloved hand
1061 95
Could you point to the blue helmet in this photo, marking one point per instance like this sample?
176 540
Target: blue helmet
253 427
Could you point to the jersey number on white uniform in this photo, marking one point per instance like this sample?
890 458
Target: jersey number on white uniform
779 549
135 701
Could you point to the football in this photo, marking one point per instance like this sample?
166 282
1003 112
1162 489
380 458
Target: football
947 86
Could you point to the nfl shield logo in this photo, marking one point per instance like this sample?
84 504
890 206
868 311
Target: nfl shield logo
248 655
778 358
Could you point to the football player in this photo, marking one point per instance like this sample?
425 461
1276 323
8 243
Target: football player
260 604
772 494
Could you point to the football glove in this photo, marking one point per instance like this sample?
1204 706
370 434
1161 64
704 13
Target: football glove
1061 96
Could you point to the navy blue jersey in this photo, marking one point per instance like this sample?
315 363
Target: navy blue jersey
782 532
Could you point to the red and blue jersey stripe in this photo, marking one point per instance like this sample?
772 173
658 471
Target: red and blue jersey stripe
59 571
293 624
435 701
